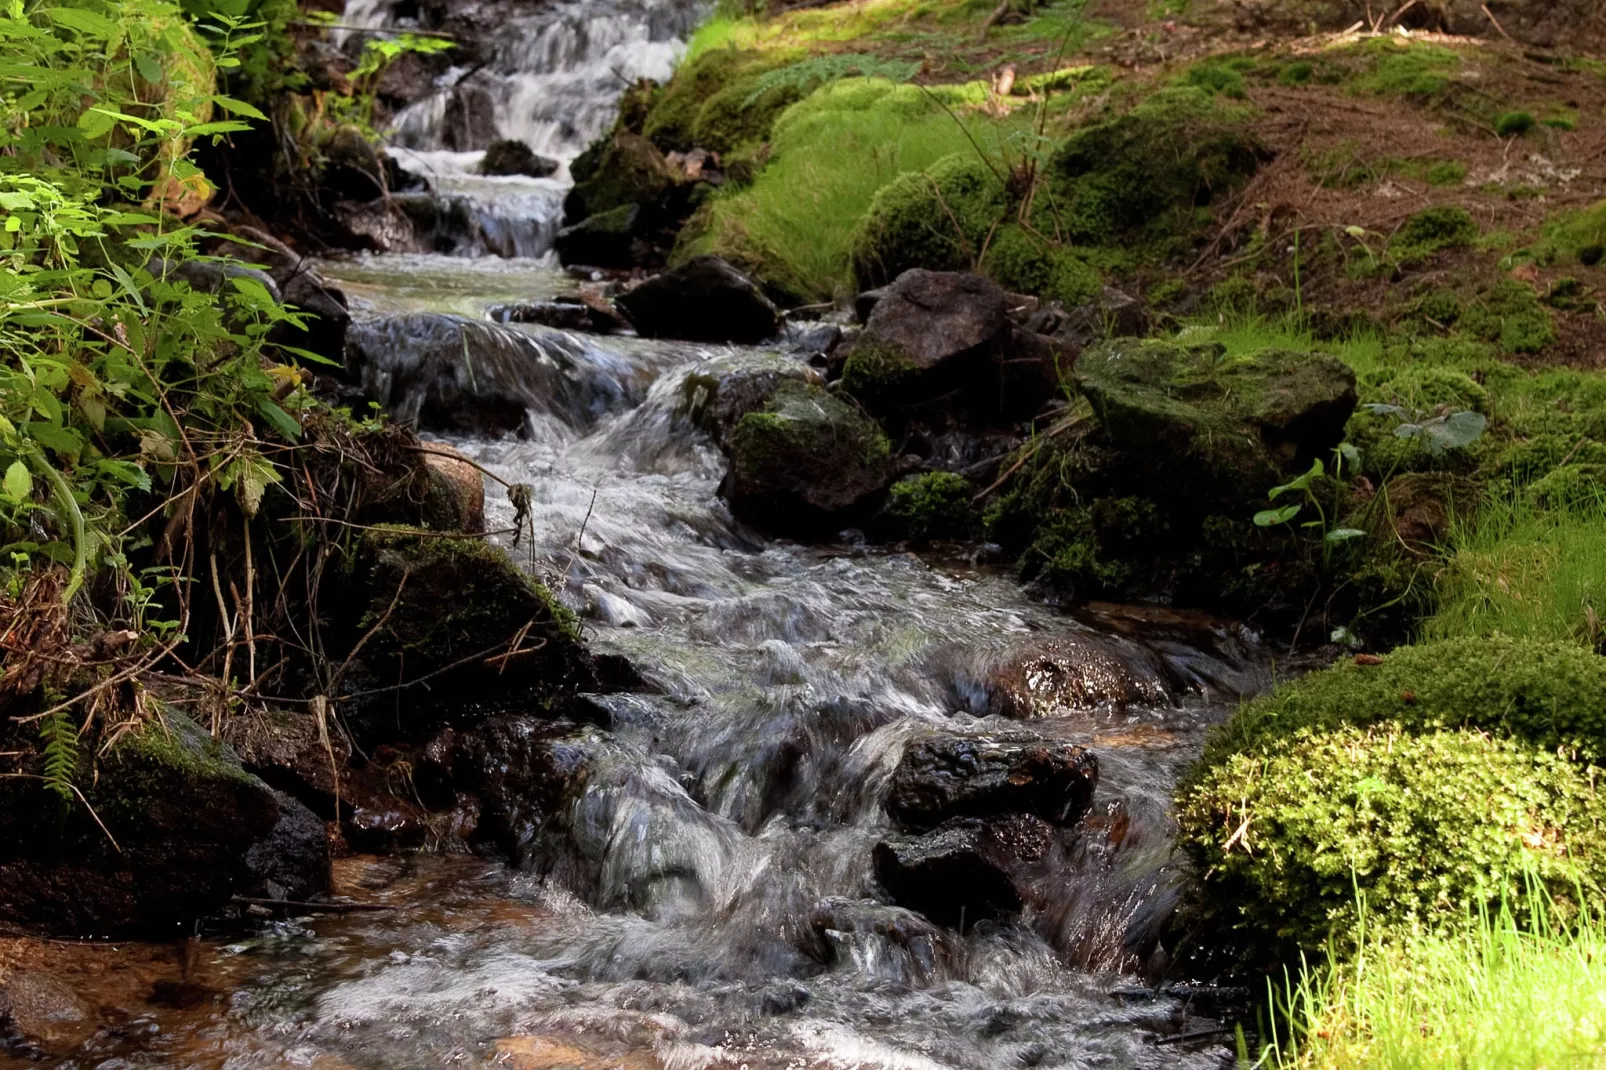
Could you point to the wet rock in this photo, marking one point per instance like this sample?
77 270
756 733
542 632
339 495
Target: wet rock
451 372
593 314
512 157
807 461
720 391
611 239
44 1013
887 941
454 630
1111 313
943 340
286 749
385 822
192 828
982 775
1055 676
811 339
454 495
380 225
526 773
702 300
964 870
1194 426
470 118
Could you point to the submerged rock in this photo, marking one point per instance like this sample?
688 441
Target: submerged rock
583 313
806 461
191 829
885 941
953 775
965 870
40 1010
702 300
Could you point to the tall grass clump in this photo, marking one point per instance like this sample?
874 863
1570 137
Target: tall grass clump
1526 571
829 154
1512 991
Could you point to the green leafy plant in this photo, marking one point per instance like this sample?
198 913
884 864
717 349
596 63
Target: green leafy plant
1305 485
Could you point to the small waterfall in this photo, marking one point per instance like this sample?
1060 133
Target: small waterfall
550 77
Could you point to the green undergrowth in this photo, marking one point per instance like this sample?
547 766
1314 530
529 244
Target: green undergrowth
1514 988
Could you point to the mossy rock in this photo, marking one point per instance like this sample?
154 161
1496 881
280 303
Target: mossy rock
1024 264
629 171
934 505
808 462
1426 825
672 123
438 612
936 219
741 114
1208 423
1550 694
191 829
1146 172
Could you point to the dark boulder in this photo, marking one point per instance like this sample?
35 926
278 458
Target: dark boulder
526 773
299 285
808 461
702 300
513 157
998 772
903 946
944 340
350 167
629 171
611 239
965 870
588 313
469 122
450 629
191 828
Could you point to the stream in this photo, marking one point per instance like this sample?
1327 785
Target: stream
732 808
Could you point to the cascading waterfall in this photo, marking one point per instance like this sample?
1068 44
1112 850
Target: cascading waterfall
551 77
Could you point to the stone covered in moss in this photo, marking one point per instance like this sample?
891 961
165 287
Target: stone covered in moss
936 219
630 170
438 614
1571 486
1547 693
1426 825
1145 172
191 829
805 462
935 505
672 122
1431 231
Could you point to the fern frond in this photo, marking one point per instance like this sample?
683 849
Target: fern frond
812 73
59 735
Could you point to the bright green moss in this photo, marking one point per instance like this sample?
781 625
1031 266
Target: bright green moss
1021 263
1428 826
1213 76
1514 123
875 372
1549 694
672 123
1570 486
1419 72
937 219
1511 314
936 505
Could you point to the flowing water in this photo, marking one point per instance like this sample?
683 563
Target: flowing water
726 811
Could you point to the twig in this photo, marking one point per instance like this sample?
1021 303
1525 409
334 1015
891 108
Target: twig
334 681
1497 25
459 457
303 904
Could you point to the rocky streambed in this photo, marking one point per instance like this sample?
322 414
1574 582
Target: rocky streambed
836 805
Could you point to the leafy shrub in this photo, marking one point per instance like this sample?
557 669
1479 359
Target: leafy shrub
1547 693
1427 826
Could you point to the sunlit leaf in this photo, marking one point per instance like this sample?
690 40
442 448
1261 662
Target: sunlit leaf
1272 517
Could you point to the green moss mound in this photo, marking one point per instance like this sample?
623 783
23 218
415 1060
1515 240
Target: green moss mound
936 505
1023 263
1148 170
1431 231
1550 694
672 122
1512 315
936 219
1426 826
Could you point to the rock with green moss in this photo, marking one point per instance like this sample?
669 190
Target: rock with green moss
1205 425
806 462
937 219
672 121
1023 263
450 629
1426 825
934 505
606 239
185 829
628 172
1142 175
1550 694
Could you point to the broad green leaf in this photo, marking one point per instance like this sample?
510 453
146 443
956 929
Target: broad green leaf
282 421
239 107
149 68
1272 517
1302 483
77 18
307 354
96 123
18 482
1344 534
60 439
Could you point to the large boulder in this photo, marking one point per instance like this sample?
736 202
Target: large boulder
450 629
965 870
951 774
944 338
702 300
808 461
629 171
169 828
721 390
